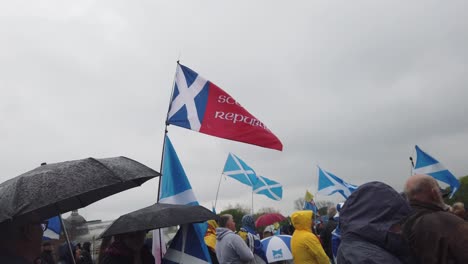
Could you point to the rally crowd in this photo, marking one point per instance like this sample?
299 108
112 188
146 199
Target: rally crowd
376 224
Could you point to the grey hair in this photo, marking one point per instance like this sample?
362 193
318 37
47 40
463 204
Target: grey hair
222 222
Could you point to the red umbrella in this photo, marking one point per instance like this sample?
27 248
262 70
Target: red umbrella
269 219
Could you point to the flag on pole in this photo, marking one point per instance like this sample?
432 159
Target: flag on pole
329 184
53 229
270 188
176 189
309 203
200 105
184 250
426 164
239 170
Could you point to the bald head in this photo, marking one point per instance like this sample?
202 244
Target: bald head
423 188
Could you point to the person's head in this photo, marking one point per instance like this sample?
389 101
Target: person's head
227 221
22 239
64 252
459 209
268 232
248 222
303 220
424 188
331 212
133 240
47 246
87 246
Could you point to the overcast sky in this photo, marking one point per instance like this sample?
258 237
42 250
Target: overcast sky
351 86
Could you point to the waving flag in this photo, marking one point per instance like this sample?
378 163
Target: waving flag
239 170
200 105
53 229
184 250
176 189
329 184
271 189
309 203
425 164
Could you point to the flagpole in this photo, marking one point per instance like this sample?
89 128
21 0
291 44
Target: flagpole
217 191
412 165
67 238
166 124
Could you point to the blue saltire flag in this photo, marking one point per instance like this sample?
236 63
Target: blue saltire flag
270 188
53 229
183 250
239 170
176 189
425 164
329 184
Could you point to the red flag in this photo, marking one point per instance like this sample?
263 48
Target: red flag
200 105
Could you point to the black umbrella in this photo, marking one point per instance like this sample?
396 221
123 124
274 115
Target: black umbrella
158 215
52 189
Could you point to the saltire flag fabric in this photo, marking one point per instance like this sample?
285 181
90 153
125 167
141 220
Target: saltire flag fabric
53 229
198 104
239 170
269 188
176 189
426 164
329 184
184 250
309 203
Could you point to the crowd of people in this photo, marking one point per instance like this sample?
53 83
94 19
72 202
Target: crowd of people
376 224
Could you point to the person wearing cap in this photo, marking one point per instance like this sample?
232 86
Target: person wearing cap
305 245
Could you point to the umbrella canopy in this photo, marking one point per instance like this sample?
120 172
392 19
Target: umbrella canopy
277 248
158 215
269 219
52 189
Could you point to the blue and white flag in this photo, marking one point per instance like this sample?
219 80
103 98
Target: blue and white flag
329 184
271 189
425 164
176 189
53 229
184 250
239 170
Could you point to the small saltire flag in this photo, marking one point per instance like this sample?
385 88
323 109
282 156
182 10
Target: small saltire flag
53 229
425 164
176 189
200 105
329 184
309 203
239 170
184 250
270 188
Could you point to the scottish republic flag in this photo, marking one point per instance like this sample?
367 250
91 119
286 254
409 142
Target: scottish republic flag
270 188
184 250
53 229
176 189
329 184
425 164
239 170
200 105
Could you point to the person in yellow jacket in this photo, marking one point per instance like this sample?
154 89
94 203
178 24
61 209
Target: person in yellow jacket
210 240
305 245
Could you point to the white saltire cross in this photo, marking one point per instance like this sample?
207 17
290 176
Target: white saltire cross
268 187
186 97
241 170
335 187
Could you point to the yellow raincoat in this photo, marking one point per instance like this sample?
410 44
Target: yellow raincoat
305 246
210 236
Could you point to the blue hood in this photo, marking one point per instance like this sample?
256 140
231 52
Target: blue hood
370 211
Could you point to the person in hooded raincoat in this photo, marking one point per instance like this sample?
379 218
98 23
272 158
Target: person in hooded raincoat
210 240
305 245
251 237
370 223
